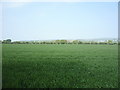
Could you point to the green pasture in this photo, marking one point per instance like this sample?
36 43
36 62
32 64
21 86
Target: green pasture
59 66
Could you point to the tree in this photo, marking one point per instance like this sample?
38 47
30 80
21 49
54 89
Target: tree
109 41
0 41
86 42
60 42
63 41
7 41
75 42
80 42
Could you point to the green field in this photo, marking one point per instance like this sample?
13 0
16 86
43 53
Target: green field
59 66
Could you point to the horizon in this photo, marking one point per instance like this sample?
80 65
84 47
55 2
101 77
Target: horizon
93 39
53 21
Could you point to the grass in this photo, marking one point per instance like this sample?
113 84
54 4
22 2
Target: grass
60 66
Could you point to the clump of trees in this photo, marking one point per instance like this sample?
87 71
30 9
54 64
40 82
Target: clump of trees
60 41
9 41
0 42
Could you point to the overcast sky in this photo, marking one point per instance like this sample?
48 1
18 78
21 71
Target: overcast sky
68 20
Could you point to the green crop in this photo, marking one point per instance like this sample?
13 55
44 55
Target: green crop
59 66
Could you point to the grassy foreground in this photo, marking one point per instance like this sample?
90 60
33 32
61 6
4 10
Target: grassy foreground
59 66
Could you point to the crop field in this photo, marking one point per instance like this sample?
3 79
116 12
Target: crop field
59 66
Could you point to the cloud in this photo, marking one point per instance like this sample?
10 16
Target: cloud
19 3
15 3
59 1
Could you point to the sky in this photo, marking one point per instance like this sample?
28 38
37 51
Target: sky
60 20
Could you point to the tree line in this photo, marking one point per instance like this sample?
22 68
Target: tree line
9 41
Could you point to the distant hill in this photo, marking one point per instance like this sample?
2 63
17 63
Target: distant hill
96 39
